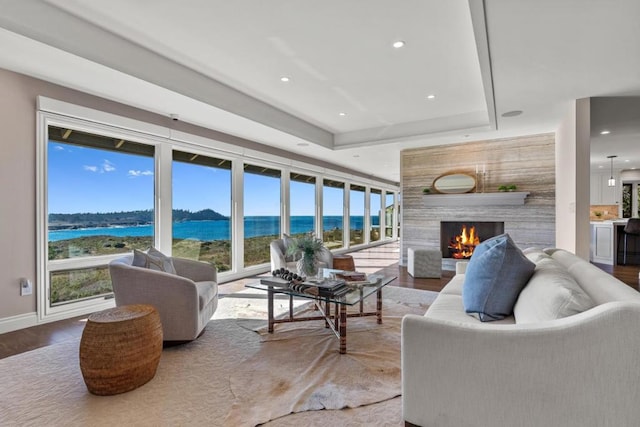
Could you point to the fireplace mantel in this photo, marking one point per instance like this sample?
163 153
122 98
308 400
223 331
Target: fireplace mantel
476 199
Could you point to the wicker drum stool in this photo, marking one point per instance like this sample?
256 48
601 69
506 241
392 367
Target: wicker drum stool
426 263
120 348
343 262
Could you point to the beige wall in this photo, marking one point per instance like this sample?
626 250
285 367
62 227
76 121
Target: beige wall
566 181
18 177
527 162
572 177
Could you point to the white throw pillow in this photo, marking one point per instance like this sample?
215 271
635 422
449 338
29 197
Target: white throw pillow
535 254
153 259
552 293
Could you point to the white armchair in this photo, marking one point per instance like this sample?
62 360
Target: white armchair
185 300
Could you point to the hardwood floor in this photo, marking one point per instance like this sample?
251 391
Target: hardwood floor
382 258
629 274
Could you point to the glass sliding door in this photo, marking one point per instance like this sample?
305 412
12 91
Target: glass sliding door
333 213
389 215
302 204
356 215
261 212
375 206
99 201
201 215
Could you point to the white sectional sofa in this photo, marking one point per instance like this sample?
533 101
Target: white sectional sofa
579 370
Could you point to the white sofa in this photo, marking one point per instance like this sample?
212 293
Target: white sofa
580 370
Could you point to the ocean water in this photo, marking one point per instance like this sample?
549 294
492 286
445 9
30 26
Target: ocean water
254 226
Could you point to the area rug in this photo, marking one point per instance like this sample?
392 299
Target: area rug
203 382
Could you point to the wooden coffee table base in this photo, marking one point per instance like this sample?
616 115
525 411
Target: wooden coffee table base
336 321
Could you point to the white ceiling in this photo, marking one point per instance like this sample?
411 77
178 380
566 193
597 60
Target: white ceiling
218 64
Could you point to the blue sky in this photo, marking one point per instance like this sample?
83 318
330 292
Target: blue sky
90 180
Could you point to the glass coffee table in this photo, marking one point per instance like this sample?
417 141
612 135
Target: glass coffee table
335 319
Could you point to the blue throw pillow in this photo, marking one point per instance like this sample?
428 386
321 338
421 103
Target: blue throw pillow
497 272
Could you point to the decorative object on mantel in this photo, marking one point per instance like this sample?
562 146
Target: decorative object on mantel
477 199
510 187
454 183
481 177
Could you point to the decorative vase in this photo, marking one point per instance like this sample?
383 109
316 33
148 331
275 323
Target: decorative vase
307 265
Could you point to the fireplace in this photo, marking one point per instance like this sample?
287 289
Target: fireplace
459 238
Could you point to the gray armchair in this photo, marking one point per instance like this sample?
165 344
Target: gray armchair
185 300
279 257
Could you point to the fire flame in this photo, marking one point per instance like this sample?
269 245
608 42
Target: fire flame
464 244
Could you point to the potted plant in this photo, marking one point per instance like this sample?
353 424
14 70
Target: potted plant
509 187
308 247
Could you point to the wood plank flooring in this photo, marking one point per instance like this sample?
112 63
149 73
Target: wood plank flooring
382 258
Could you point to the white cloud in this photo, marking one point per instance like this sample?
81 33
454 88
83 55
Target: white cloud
58 148
107 166
135 173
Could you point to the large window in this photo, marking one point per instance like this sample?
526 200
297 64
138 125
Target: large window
261 212
356 215
389 215
105 189
201 214
333 213
302 203
375 203
100 201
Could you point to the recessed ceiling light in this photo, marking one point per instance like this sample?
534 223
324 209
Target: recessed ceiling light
284 79
605 132
356 155
600 167
513 113
398 44
430 96
342 114
627 161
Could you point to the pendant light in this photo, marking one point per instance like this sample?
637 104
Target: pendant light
612 180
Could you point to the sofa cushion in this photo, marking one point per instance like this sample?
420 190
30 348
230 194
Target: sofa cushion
454 287
449 307
552 293
534 254
496 274
153 259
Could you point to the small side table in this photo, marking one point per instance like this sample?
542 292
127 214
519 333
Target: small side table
343 262
120 348
424 263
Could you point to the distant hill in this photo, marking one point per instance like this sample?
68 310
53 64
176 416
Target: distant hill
125 219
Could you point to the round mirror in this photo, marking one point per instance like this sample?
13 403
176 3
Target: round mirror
454 183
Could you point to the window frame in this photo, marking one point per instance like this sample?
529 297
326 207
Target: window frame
45 267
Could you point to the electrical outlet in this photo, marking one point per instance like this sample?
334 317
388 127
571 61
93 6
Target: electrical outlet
26 287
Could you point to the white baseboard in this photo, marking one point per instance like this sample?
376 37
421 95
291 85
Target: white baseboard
21 321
